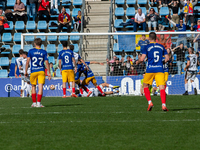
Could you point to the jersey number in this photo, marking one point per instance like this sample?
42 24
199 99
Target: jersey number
66 59
156 56
35 59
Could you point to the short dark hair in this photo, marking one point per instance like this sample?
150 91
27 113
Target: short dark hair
25 53
152 35
51 63
64 43
38 41
71 47
197 53
21 51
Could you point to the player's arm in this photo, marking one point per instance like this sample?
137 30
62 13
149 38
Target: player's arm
59 66
84 63
196 38
175 48
95 62
141 59
48 69
15 71
74 61
27 64
188 64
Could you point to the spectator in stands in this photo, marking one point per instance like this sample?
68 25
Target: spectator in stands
162 3
141 66
181 37
53 68
113 61
77 24
175 17
196 27
128 63
188 10
117 68
196 42
19 11
180 52
143 42
64 20
31 8
153 17
3 3
163 40
2 21
132 71
140 20
54 4
44 9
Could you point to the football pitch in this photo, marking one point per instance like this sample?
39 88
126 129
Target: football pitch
100 123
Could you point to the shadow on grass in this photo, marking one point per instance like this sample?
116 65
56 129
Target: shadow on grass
64 105
184 109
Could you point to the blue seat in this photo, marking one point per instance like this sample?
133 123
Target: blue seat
75 12
10 26
27 47
74 37
63 37
19 25
29 38
130 11
42 47
52 38
6 46
116 36
66 4
155 8
10 3
130 2
76 48
51 59
58 73
68 11
4 61
51 48
55 16
119 56
117 22
7 37
119 2
129 26
16 49
53 28
60 47
13 60
116 48
197 8
43 37
3 73
164 11
77 2
144 10
42 25
119 11
30 25
17 37
144 2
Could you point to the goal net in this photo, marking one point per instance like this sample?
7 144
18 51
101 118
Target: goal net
119 53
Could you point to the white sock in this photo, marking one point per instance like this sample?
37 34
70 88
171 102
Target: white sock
25 86
149 102
28 89
38 103
163 104
34 103
111 86
194 85
186 87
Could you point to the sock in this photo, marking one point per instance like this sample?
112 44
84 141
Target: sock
39 97
100 90
86 89
111 86
186 87
73 90
193 84
64 91
81 90
165 86
163 96
34 98
147 94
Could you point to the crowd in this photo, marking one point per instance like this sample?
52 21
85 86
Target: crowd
37 9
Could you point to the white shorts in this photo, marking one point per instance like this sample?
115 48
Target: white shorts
27 79
190 75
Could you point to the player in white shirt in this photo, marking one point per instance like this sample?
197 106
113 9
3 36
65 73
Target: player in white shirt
191 70
26 86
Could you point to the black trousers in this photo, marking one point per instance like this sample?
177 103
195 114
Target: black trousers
19 18
60 27
1 29
46 13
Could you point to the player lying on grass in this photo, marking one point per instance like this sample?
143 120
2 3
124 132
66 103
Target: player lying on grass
66 61
154 53
191 70
37 57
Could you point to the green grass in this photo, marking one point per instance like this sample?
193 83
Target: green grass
100 123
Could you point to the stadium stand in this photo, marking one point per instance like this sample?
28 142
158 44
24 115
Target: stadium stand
51 48
3 73
4 61
30 26
19 25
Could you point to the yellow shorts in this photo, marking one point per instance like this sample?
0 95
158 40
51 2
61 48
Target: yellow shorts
166 76
68 76
77 81
87 80
37 76
159 77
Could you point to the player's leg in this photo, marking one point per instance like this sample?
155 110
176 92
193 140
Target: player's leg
186 83
84 83
141 90
97 86
33 80
28 89
64 79
166 79
148 79
41 82
71 80
73 89
160 80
